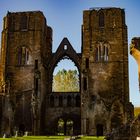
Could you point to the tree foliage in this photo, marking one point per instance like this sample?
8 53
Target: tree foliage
66 81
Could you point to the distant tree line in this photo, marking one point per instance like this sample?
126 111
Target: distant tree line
66 81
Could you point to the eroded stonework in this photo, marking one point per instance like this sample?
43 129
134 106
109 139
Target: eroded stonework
27 65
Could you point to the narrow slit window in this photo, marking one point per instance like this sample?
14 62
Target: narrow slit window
36 86
36 64
87 63
85 83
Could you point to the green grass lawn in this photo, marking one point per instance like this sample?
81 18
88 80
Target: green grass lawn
51 138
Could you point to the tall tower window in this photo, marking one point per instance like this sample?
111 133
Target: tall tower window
23 56
23 23
101 19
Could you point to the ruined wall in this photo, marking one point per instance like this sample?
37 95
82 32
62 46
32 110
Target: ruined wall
104 70
26 44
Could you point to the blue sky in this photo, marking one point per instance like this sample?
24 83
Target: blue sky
65 17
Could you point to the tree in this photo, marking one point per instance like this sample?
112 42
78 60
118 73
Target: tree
66 81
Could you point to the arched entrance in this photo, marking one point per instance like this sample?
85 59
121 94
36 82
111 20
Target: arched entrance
63 105
65 127
69 127
60 127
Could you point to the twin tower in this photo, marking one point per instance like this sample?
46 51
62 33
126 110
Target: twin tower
26 71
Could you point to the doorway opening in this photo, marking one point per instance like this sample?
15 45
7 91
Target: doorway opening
65 127
60 127
99 129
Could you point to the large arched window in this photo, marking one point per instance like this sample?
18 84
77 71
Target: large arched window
66 77
101 19
23 56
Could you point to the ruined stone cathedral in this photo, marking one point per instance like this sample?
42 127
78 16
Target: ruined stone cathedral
26 72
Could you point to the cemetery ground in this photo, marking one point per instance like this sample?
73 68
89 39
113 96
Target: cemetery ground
54 138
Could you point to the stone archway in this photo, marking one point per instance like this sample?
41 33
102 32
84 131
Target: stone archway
64 49
62 103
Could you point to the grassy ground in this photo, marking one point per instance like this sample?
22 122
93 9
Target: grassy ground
51 138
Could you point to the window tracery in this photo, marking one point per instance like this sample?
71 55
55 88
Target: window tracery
23 55
101 52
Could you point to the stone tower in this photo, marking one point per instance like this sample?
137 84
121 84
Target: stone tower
104 71
26 44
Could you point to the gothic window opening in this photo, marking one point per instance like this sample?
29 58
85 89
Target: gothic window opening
98 53
36 86
101 19
23 22
60 127
23 56
12 23
69 127
105 53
